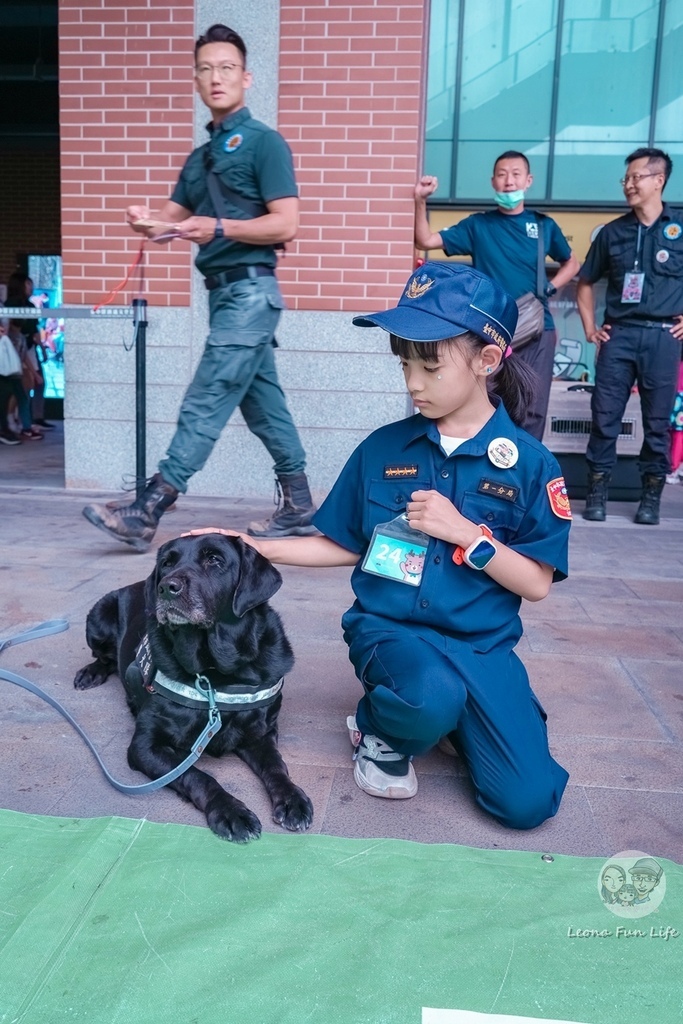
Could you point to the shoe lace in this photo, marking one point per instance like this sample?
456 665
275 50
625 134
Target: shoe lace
376 749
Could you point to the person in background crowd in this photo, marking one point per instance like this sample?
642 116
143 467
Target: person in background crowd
13 395
641 255
19 292
503 243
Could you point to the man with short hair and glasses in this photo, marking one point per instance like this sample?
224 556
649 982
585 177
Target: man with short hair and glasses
237 199
641 255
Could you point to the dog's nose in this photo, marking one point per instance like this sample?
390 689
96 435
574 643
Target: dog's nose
170 587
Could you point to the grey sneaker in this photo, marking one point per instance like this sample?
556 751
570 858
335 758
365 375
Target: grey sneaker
379 770
446 747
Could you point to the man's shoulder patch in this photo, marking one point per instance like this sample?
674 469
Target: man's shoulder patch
558 498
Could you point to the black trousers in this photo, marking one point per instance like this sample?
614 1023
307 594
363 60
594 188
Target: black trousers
649 357
540 356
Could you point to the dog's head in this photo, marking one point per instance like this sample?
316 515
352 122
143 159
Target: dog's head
201 580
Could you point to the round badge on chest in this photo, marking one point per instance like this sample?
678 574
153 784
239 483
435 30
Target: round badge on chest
661 256
233 143
503 452
673 231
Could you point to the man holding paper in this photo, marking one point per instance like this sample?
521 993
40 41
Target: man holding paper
237 199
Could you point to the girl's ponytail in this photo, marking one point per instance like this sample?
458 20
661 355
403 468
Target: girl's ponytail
516 384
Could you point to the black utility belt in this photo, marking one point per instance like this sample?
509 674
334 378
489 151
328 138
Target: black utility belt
238 274
661 325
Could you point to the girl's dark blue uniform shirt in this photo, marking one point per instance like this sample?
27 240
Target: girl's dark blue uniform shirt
516 504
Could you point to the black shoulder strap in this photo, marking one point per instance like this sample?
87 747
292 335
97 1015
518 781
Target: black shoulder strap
219 192
541 279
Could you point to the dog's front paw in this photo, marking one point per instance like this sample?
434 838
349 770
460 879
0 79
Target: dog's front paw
92 675
294 812
233 821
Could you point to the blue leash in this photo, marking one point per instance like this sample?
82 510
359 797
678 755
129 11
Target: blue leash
210 730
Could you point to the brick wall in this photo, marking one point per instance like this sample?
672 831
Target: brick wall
29 203
350 107
126 126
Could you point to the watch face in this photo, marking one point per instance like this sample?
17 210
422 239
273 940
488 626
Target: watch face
482 554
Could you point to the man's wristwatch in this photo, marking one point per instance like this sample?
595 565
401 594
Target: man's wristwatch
218 231
550 290
479 553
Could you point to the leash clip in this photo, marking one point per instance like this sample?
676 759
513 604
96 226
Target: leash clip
209 694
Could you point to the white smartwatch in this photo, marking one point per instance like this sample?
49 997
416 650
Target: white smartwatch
479 553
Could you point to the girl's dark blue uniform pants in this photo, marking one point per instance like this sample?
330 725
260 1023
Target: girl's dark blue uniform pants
420 685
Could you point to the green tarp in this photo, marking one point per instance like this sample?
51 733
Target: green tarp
115 921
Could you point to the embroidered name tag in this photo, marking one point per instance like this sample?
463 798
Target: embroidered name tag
400 472
497 489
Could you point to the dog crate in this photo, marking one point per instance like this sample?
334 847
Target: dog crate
567 430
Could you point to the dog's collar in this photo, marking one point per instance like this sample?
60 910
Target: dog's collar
226 696
239 695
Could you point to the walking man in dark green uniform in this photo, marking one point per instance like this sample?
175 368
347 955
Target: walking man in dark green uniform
237 198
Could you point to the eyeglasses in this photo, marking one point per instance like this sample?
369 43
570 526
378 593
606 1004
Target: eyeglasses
224 70
633 179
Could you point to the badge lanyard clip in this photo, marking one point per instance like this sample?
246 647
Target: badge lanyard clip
633 282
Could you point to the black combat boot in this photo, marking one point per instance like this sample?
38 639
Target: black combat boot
596 497
135 524
294 512
648 510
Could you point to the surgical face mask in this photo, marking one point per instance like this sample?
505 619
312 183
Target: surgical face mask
508 200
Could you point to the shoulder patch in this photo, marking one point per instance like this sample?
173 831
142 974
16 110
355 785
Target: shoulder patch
401 472
497 489
557 496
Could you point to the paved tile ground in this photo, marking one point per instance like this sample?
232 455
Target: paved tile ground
604 651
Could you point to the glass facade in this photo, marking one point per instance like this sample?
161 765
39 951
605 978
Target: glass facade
576 85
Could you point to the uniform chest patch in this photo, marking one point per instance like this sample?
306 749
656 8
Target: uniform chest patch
532 229
558 498
497 489
401 472
233 143
673 231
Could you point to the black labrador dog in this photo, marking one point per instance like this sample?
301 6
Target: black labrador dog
203 613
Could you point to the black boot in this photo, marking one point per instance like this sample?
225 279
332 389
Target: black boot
295 510
596 497
648 510
135 524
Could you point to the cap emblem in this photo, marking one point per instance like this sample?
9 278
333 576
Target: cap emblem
418 286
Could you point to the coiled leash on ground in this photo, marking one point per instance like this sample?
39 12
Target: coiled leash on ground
211 728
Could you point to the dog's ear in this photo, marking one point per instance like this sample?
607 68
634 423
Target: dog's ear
258 579
151 593
152 582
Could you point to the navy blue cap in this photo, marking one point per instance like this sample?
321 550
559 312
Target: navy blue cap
442 300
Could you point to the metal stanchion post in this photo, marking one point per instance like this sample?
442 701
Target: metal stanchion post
140 322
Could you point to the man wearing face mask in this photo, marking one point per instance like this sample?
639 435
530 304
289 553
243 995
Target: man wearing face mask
503 243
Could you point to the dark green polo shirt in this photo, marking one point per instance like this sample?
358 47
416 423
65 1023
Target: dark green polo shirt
253 160
505 246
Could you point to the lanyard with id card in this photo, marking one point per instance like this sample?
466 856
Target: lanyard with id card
633 281
397 552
